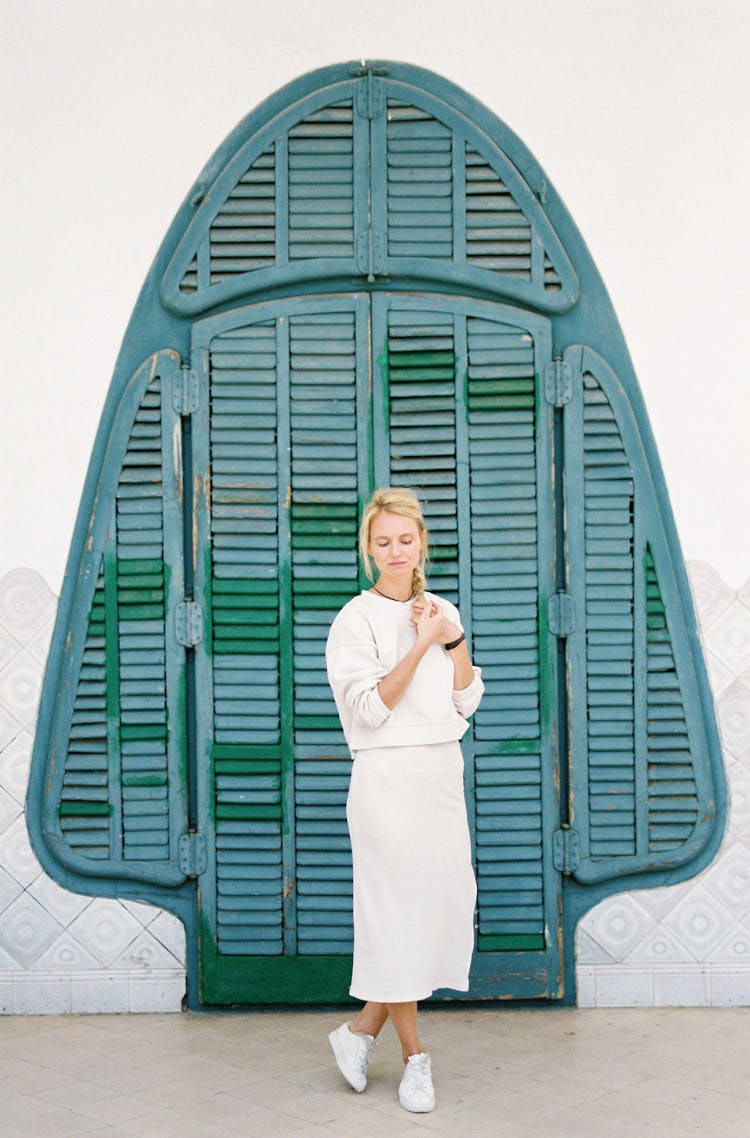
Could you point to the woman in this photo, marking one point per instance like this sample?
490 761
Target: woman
403 682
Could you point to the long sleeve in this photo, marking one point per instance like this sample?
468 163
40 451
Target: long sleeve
354 672
466 701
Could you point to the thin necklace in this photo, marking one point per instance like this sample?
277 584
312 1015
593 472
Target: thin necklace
396 599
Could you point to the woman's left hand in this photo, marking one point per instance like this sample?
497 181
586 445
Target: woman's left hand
448 630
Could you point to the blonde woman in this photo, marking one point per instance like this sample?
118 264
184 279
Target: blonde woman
403 681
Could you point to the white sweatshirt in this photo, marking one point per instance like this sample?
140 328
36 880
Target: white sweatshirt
367 639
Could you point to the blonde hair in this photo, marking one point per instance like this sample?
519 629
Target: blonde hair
394 500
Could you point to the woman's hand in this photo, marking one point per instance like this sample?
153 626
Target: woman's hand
433 627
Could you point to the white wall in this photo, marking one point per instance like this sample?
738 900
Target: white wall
636 109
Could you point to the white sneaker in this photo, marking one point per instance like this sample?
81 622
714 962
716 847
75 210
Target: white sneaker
353 1051
416 1092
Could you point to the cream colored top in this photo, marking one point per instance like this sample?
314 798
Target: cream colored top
367 639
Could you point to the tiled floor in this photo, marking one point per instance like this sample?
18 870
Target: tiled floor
503 1073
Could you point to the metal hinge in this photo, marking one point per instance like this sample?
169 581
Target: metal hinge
565 855
370 253
192 854
185 391
561 614
370 96
188 623
558 383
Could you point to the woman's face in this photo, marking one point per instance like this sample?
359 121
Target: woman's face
395 545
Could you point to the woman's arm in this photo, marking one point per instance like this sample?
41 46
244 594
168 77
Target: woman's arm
392 688
463 671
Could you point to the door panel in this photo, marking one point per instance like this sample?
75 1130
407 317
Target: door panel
299 426
459 385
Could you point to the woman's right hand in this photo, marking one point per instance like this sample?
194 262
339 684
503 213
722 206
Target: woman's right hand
430 624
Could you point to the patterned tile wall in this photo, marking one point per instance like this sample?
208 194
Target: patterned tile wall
61 952
687 944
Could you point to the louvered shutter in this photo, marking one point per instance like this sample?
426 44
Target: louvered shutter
290 204
117 800
641 792
460 388
448 204
286 403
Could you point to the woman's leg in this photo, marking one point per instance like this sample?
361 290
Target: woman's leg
370 1018
404 1019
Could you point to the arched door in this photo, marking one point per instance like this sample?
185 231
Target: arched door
440 393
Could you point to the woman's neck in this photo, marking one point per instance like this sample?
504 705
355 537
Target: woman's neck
395 589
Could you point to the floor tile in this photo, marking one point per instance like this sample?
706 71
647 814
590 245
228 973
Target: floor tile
554 1073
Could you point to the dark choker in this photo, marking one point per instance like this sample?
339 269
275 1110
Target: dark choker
396 599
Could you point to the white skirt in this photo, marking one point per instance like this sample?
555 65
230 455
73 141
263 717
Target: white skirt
414 885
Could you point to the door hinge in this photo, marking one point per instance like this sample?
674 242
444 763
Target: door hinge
185 390
558 383
370 96
192 854
561 614
370 253
565 853
188 623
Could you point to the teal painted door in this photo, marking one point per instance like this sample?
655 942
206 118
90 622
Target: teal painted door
306 405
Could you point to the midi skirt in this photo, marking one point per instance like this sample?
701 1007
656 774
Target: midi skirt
414 884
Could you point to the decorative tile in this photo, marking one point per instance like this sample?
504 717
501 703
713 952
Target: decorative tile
9 810
617 925
9 889
658 947
7 962
729 637
734 718
146 953
743 594
710 594
15 762
62 904
719 675
171 932
9 646
662 900
105 928
26 603
739 800
9 727
728 879
20 687
26 931
699 922
142 912
589 951
65 954
16 854
38 646
734 948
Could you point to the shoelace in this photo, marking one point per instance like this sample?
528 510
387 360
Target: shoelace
418 1073
364 1051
